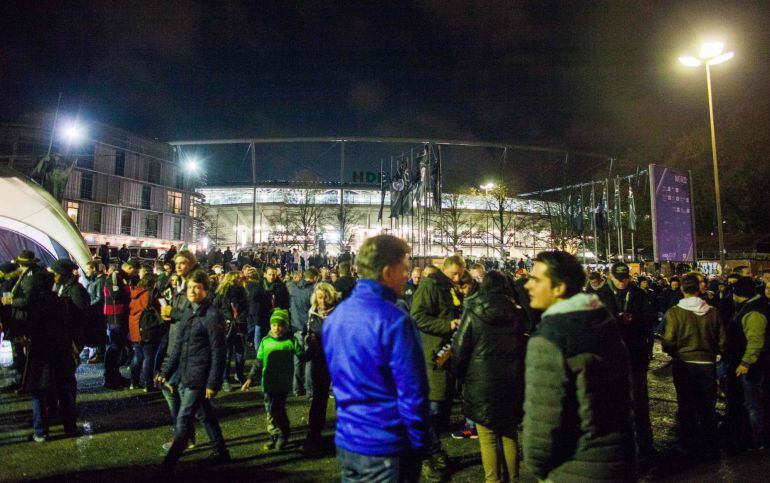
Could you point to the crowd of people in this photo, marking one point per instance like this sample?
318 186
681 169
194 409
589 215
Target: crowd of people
549 359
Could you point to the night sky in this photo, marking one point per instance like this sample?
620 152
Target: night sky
592 75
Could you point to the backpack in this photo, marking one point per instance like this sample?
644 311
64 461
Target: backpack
151 324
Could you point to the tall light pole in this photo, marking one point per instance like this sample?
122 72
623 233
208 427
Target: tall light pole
711 54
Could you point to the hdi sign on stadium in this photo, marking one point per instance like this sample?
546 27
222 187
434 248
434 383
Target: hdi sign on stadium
366 177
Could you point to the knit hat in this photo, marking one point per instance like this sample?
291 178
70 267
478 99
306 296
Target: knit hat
745 287
279 316
63 266
26 258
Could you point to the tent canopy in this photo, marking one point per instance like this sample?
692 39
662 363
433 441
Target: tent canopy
30 211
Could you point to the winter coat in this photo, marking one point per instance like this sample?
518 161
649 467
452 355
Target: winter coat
637 332
199 351
344 285
488 357
255 300
276 295
95 287
140 299
378 374
578 423
37 315
694 332
300 304
180 306
433 309
232 302
117 296
77 305
747 334
275 360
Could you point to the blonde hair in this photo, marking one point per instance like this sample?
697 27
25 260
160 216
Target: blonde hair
330 295
230 279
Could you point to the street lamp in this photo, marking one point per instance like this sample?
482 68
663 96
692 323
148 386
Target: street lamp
191 165
72 133
711 53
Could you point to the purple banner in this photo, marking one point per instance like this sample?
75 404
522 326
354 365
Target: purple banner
673 229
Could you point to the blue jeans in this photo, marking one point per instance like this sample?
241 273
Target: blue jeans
378 469
193 404
303 382
235 350
755 399
65 394
143 363
118 339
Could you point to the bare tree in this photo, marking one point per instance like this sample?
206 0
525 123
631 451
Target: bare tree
453 225
209 224
346 219
307 214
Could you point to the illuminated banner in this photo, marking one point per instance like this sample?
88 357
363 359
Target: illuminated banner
673 221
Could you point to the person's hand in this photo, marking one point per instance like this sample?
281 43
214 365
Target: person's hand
454 324
246 385
210 393
742 370
165 312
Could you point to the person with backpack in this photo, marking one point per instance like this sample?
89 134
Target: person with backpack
117 296
145 328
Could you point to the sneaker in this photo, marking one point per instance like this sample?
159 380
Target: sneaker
226 387
270 445
167 446
466 433
37 438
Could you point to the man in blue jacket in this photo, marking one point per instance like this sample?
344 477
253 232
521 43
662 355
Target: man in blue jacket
378 371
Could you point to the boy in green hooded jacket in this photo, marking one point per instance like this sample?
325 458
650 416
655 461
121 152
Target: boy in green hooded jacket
275 362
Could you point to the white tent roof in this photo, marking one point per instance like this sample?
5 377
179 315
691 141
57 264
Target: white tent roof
27 208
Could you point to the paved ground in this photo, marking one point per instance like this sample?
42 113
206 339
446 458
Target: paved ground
125 431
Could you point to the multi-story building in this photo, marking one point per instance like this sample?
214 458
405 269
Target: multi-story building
123 188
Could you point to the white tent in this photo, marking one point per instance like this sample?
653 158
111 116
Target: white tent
29 210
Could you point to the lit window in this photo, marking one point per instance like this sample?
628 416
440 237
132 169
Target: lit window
73 209
175 202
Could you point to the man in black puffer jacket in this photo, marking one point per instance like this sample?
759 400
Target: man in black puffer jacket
198 358
577 407
488 357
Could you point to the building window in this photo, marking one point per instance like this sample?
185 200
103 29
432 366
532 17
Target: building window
193 209
86 162
146 197
153 171
96 219
73 210
151 226
175 202
179 181
120 163
87 186
177 229
125 222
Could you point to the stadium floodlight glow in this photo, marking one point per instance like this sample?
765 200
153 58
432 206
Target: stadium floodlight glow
709 50
487 186
689 61
722 58
72 132
191 165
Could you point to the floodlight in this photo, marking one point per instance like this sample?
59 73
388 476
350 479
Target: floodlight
72 132
191 165
690 61
722 58
709 50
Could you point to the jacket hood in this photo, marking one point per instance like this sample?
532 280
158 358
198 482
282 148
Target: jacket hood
695 304
580 302
494 308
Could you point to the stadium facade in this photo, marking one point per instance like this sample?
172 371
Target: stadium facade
228 211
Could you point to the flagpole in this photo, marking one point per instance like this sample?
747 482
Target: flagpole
619 218
593 218
606 196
